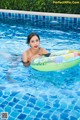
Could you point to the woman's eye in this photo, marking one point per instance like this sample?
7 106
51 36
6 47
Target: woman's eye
32 41
37 40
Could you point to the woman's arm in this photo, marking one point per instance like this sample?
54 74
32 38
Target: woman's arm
44 51
25 60
26 63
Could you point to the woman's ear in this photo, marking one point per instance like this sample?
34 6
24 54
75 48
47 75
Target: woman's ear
29 44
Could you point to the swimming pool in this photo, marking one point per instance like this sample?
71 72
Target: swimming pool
29 94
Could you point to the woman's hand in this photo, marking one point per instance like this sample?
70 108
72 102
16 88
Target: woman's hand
34 57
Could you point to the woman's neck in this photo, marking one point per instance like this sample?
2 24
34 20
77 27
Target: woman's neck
34 52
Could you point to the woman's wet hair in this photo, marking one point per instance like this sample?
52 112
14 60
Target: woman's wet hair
30 36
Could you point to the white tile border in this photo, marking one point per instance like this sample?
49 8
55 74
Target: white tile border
41 13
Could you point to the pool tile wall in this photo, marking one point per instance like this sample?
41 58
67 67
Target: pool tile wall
39 17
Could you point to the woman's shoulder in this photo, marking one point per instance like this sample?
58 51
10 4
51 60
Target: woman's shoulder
43 50
26 52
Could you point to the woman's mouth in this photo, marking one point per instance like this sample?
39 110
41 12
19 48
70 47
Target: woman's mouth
35 46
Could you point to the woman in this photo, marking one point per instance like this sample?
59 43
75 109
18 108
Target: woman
35 51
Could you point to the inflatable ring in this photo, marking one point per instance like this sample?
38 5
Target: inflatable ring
57 61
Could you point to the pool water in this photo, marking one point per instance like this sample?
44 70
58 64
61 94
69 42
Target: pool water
27 94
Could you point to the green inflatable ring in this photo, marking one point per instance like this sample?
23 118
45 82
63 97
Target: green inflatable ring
57 61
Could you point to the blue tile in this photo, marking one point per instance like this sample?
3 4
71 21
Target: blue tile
39 114
1 110
9 15
43 110
36 108
19 110
0 14
59 18
32 100
15 100
44 97
4 103
75 20
47 107
1 93
46 116
53 96
11 118
55 18
8 108
74 101
26 110
26 16
33 112
56 105
78 93
43 17
60 109
67 111
26 97
63 18
46 18
3 14
64 116
19 16
73 118
14 93
78 19
22 16
77 108
22 116
30 105
66 18
9 98
2 87
12 15
11 104
70 107
1 100
36 16
33 17
29 118
15 113
6 14
18 107
40 103
36 119
22 102
78 103
51 18
46 119
4 96
63 105
54 117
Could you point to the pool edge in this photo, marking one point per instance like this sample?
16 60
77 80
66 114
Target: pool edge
41 13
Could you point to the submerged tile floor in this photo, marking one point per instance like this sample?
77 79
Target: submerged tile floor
34 105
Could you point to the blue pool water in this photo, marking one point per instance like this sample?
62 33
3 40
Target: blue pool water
27 94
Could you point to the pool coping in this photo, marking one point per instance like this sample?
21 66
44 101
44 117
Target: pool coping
41 13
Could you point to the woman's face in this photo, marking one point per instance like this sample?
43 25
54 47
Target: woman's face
34 42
